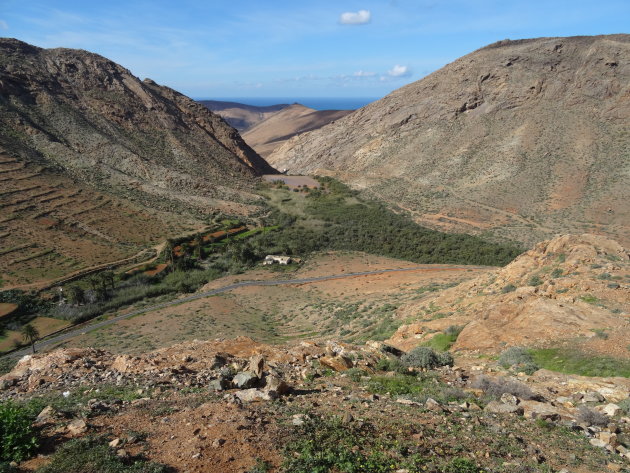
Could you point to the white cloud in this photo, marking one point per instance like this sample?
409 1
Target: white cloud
3 25
399 71
364 74
355 18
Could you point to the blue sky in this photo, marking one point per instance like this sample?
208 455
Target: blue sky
316 48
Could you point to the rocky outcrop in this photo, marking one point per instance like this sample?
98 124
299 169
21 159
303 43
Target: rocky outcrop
521 138
573 285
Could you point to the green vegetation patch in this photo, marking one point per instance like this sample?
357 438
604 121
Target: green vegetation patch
324 445
93 455
18 439
416 388
443 341
572 361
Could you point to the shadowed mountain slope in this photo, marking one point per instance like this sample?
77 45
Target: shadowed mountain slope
522 139
242 116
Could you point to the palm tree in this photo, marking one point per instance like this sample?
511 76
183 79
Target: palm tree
170 250
30 334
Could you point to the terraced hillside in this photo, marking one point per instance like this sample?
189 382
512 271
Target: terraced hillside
51 226
96 165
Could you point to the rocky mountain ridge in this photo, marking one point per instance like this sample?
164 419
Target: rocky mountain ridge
521 139
82 114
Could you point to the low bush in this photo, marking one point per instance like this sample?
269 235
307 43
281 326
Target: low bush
519 359
534 281
625 406
557 272
391 364
426 358
508 288
325 445
18 439
589 416
496 387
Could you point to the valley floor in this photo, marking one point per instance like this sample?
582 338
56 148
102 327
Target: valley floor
354 308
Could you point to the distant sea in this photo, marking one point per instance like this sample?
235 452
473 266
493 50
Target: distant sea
317 103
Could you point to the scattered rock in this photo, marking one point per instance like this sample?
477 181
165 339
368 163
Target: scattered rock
593 396
496 407
245 380
611 409
540 410
336 363
77 427
46 416
432 405
114 443
299 419
507 398
253 394
274 383
220 384
256 365
608 437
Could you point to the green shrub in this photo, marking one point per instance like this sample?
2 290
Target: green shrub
327 445
6 365
426 358
7 468
93 455
391 364
18 439
508 288
556 273
445 359
421 357
625 406
534 281
519 359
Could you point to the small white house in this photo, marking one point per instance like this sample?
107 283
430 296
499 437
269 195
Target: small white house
273 259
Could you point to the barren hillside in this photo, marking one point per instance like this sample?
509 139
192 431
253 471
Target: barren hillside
524 139
274 131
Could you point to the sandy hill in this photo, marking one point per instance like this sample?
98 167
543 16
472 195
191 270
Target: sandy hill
272 132
524 139
242 116
96 163
569 287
